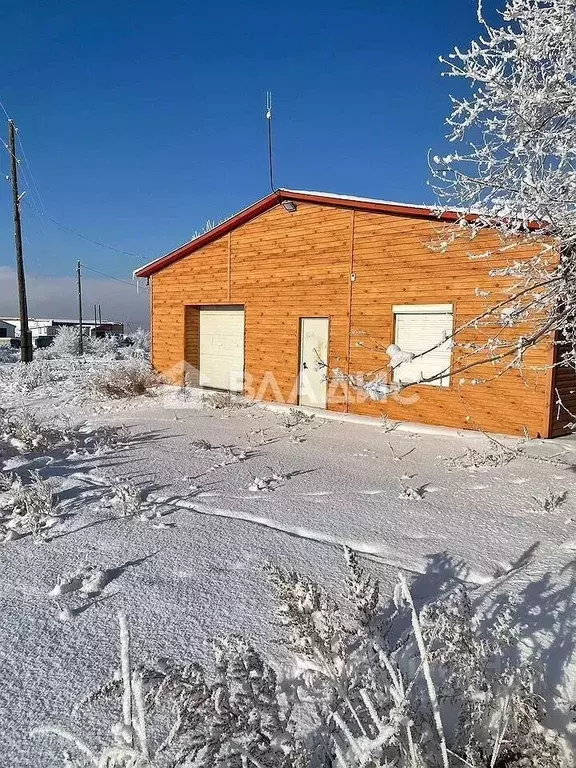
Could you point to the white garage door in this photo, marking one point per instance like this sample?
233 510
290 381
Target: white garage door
222 348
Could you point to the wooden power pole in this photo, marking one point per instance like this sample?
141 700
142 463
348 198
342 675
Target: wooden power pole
80 329
25 337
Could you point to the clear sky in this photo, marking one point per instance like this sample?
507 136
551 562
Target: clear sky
141 120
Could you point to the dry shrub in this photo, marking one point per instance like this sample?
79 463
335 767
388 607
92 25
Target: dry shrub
223 400
128 378
450 693
23 431
9 355
27 377
27 509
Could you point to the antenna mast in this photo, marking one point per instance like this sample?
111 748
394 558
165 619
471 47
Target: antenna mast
270 156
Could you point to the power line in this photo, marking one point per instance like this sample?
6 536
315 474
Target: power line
44 217
31 202
3 108
30 174
91 240
50 276
33 187
110 277
35 191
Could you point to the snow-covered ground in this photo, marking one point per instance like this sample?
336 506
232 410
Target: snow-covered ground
220 493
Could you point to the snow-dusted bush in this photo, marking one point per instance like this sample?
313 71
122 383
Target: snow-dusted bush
498 713
99 441
223 401
26 377
127 497
551 502
26 509
497 455
140 347
387 425
129 748
237 716
361 693
127 378
24 432
267 482
67 344
455 686
295 418
9 354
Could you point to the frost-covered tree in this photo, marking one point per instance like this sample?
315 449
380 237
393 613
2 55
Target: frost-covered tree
513 172
66 344
513 169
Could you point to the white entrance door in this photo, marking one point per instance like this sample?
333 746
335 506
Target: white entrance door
222 348
313 352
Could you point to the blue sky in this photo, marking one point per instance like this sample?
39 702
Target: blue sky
142 120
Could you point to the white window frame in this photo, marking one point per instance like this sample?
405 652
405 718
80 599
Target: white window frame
424 309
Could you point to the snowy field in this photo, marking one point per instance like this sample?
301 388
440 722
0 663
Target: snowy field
169 508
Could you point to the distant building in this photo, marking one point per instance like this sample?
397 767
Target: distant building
7 331
49 327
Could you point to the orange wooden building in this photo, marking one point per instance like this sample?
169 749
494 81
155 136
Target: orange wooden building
250 306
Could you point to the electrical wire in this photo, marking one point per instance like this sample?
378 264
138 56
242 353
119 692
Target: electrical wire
91 240
30 183
44 217
3 108
110 277
36 190
25 170
32 187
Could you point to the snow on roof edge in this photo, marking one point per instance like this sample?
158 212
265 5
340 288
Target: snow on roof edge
356 198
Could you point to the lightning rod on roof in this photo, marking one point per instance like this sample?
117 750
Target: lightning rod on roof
270 156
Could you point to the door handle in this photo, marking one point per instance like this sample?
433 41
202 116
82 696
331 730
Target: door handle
304 366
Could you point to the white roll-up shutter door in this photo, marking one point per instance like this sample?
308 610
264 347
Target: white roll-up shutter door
222 348
417 329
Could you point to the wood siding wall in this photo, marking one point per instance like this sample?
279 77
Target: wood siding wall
563 397
283 266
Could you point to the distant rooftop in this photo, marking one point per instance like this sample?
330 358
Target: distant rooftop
66 321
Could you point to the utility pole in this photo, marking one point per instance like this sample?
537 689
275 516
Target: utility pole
99 315
80 330
25 337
